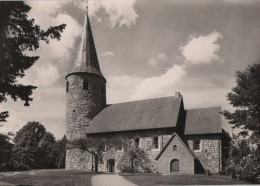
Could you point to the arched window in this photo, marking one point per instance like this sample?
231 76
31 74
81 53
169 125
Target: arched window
175 165
85 85
155 142
67 87
174 148
137 142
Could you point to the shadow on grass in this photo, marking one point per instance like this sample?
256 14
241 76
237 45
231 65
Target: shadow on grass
198 179
50 177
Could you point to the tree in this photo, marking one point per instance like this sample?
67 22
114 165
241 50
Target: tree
245 97
19 34
5 151
244 157
56 158
95 146
243 160
44 149
133 160
26 145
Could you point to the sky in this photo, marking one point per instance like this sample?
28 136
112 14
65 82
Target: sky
146 49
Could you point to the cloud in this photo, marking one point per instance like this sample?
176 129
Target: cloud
109 53
115 12
129 88
202 49
48 14
162 57
41 75
154 61
44 73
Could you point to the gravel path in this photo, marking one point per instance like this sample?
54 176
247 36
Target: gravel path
110 180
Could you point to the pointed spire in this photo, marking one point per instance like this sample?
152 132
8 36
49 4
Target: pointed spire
87 60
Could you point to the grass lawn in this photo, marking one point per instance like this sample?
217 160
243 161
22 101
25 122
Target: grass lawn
47 177
198 179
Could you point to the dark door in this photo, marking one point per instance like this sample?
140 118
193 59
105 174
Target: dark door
175 166
111 165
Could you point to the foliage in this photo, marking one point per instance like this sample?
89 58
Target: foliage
95 146
56 157
26 145
134 159
44 149
244 160
245 97
19 34
5 151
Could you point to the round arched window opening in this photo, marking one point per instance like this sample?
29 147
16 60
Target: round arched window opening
174 148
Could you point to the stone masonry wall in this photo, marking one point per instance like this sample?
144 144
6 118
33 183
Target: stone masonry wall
146 143
186 160
81 106
210 151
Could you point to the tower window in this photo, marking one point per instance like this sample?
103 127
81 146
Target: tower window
67 87
85 85
155 143
174 148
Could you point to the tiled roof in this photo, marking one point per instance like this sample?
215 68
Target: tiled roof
86 59
203 121
137 115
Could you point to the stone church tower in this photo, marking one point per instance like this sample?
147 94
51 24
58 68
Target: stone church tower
86 87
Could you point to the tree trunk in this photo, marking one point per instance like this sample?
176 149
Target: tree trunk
96 163
132 165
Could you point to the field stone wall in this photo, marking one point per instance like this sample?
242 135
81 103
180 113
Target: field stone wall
210 153
146 143
81 106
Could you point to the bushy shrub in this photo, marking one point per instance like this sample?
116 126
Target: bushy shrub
244 162
134 160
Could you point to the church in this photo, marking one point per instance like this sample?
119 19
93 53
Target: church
176 140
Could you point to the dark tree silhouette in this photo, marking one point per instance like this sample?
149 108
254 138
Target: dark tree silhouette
18 34
245 97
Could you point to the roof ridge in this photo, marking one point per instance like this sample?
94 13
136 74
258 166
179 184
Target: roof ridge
144 100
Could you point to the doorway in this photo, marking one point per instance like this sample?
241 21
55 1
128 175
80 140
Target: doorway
111 165
175 166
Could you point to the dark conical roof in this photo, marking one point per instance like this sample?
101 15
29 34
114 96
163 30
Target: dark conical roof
87 60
